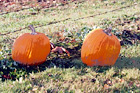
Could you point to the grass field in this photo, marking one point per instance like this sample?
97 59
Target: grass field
63 74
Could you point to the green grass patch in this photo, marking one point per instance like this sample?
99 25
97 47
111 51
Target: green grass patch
61 73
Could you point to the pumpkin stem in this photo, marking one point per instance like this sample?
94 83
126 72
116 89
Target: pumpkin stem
33 30
108 31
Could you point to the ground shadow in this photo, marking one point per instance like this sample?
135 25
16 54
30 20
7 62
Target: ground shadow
13 71
125 62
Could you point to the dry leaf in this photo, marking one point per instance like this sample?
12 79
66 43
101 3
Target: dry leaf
138 85
131 83
60 50
106 86
121 80
52 46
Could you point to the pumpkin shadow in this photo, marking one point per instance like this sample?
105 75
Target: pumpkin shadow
12 70
125 62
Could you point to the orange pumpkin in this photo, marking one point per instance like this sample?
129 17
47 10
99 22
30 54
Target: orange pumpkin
31 48
100 48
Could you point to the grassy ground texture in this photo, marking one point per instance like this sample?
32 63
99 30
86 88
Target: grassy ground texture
63 74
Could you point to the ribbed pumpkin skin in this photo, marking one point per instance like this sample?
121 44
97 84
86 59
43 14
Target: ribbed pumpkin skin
31 49
100 49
